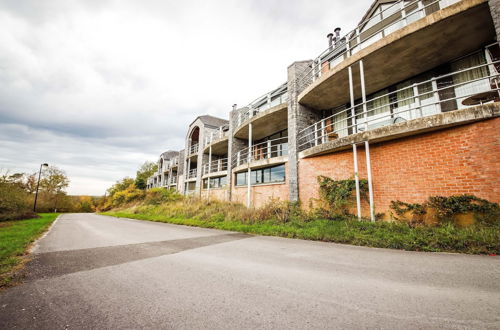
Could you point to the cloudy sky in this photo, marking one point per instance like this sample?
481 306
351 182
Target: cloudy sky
97 87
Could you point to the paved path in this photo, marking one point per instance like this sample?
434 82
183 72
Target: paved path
99 272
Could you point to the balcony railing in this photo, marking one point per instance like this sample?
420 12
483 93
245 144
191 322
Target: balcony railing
193 148
173 180
215 166
440 94
382 23
216 135
260 104
265 150
192 173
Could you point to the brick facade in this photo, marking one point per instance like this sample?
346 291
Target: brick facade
458 160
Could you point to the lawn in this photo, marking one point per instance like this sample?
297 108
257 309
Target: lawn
445 238
15 238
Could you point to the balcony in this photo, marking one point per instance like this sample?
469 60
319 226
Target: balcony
217 140
215 166
412 34
457 90
262 153
192 174
173 180
273 106
193 149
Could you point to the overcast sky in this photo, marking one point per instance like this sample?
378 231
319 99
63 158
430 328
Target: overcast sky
97 87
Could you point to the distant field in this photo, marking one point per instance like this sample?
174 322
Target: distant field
15 238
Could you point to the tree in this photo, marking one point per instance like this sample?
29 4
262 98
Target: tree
143 173
53 186
120 185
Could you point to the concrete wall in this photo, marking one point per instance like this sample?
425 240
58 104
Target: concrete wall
220 194
458 160
495 15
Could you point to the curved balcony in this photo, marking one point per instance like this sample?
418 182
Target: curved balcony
215 168
400 112
262 154
218 140
193 150
412 37
264 122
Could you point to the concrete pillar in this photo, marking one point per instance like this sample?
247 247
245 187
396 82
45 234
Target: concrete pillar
495 15
299 117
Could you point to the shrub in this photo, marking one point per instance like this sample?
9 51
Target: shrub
15 202
339 195
158 196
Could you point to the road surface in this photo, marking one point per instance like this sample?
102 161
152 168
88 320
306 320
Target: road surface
99 272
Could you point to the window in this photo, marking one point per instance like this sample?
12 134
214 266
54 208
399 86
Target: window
262 175
218 182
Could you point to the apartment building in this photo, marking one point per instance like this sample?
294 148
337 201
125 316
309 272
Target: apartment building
408 100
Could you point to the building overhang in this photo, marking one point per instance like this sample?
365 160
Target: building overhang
418 47
264 123
219 146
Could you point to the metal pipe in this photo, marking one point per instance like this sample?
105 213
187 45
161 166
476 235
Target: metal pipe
363 92
370 185
209 168
248 162
356 179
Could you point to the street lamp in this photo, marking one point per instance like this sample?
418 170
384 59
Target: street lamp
38 183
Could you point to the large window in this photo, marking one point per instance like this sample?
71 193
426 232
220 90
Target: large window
262 175
218 182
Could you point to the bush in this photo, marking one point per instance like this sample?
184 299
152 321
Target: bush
158 196
15 202
448 209
339 195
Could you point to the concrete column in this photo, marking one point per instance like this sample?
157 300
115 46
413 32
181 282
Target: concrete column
495 15
299 117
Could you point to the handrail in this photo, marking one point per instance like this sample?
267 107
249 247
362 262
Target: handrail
325 129
215 166
192 173
264 150
214 136
355 36
252 111
193 148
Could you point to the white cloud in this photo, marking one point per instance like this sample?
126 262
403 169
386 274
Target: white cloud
111 84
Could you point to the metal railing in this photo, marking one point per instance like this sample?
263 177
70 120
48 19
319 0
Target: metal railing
193 148
215 166
213 136
398 15
264 150
173 180
192 173
413 101
260 105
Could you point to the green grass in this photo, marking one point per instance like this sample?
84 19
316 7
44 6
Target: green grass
15 238
446 238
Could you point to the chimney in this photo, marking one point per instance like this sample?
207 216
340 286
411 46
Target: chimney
330 40
234 106
337 34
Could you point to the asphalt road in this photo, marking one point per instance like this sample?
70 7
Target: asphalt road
99 272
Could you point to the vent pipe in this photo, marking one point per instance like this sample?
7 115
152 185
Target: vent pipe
330 40
234 106
337 35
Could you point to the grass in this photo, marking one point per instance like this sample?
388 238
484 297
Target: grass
445 238
15 239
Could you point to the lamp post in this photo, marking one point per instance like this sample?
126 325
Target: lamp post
38 184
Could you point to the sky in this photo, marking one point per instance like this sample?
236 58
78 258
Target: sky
98 87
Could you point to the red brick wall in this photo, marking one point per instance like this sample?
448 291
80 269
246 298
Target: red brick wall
220 194
261 194
457 160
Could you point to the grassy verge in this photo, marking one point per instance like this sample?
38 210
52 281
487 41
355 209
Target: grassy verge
15 238
446 238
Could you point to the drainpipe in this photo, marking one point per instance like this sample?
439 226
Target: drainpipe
370 185
248 162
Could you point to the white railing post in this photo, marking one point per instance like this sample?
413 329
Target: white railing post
417 101
248 164
323 131
363 92
268 147
437 105
315 127
353 110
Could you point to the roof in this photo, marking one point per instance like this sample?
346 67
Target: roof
211 121
169 154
